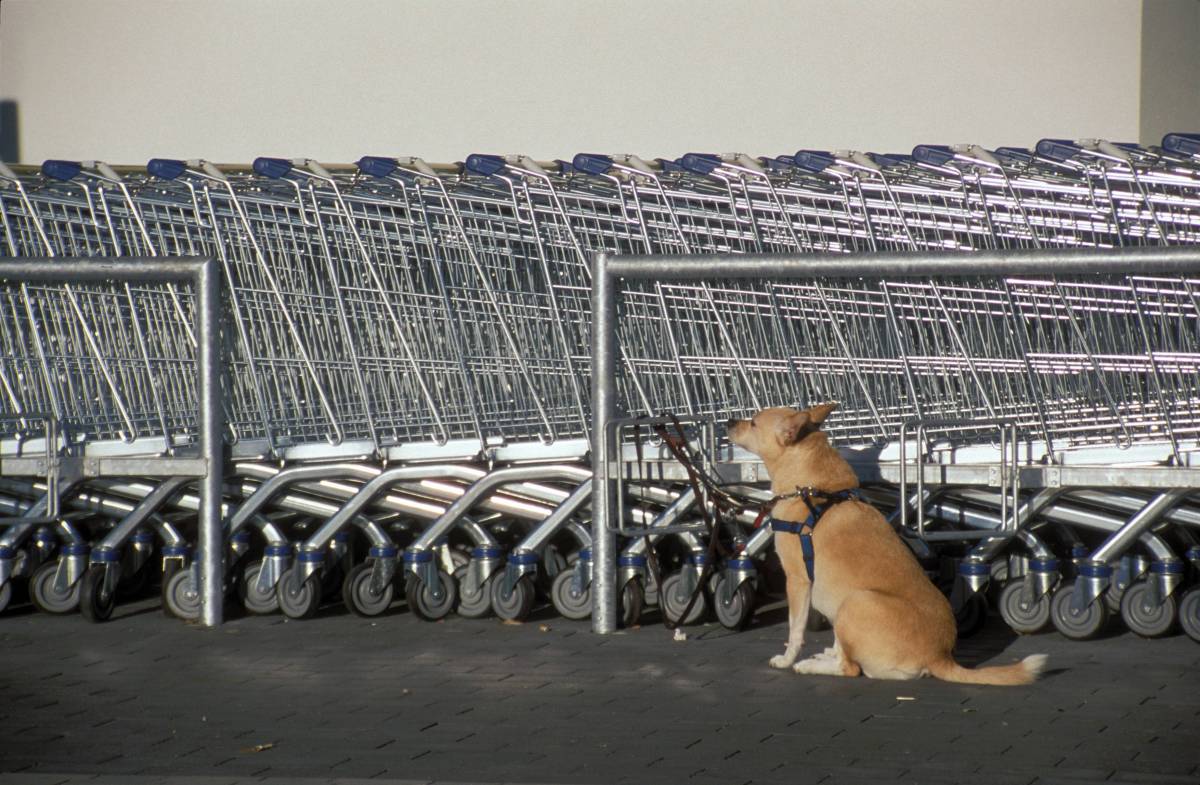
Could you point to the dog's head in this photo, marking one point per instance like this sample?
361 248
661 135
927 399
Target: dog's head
772 432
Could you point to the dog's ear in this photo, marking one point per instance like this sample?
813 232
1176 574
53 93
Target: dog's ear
792 427
818 413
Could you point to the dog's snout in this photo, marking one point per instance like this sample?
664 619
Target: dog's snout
731 423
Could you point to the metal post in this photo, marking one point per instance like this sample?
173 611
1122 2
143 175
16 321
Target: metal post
203 274
604 409
607 270
212 449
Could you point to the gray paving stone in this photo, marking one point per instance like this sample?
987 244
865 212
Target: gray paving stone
149 700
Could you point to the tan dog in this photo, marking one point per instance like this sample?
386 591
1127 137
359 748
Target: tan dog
889 620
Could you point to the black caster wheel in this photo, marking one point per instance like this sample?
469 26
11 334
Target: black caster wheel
425 604
253 600
569 603
180 599
516 604
632 603
357 594
1023 617
298 602
673 600
1146 619
95 604
1189 613
477 604
1077 626
735 614
46 598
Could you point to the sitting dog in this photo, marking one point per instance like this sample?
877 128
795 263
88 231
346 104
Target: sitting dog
889 620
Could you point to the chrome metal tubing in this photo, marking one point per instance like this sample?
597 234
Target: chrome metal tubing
203 274
479 488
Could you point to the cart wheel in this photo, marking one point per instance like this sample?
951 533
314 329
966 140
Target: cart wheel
1076 626
475 605
1189 613
997 580
299 603
169 570
673 600
514 605
1112 598
735 614
633 602
45 597
1143 618
253 600
972 615
234 575
553 563
93 604
357 594
650 589
179 599
6 592
424 604
569 603
1022 617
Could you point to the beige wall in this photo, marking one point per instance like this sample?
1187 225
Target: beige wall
124 80
1170 99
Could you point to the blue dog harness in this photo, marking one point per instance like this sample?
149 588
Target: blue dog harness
815 511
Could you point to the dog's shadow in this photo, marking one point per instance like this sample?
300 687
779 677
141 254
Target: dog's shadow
990 645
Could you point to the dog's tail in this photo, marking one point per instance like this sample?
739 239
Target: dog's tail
1024 672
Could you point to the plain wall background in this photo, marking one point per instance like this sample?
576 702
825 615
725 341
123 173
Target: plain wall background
227 80
1170 67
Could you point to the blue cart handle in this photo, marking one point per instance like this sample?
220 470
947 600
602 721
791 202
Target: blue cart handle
274 168
166 168
933 154
1182 144
376 166
592 163
61 170
1060 150
702 164
484 165
813 160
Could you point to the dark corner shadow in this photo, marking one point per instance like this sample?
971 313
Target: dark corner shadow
10 138
987 647
132 611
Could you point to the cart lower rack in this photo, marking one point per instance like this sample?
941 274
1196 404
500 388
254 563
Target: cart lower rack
410 399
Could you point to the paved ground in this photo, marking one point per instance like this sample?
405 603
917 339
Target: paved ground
145 700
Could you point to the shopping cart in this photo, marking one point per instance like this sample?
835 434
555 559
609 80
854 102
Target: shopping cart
412 344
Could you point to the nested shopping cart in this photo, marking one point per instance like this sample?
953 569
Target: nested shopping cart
409 399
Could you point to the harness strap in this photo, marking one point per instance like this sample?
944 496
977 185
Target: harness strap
805 527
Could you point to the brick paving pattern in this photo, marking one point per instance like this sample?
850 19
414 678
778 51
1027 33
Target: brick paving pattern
144 700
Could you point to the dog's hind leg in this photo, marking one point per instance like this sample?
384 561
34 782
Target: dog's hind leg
831 662
799 598
879 634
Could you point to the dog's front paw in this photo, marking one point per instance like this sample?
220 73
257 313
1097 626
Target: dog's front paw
781 661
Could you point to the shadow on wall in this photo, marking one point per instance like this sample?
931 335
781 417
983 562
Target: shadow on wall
10 143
